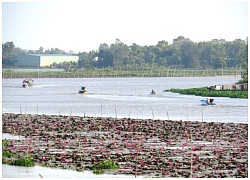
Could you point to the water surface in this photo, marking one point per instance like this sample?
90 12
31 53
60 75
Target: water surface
122 97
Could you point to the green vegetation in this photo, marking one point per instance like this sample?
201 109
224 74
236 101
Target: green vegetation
8 154
211 93
98 171
105 164
182 53
4 143
24 161
119 72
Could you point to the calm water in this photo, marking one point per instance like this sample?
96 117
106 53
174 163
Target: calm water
122 97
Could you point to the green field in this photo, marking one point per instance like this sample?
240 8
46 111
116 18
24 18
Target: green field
118 72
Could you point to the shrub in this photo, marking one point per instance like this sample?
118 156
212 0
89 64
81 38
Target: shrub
24 161
8 154
4 143
105 164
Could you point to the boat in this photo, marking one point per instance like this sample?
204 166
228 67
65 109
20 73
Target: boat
208 102
27 83
83 90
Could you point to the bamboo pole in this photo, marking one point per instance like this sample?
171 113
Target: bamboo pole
26 111
167 114
115 112
101 110
201 116
191 166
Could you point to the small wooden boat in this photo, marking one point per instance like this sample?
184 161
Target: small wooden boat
208 102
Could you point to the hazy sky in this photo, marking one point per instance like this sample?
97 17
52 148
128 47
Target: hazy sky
83 25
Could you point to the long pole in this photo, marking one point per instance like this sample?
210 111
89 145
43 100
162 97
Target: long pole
191 166
167 114
202 115
26 111
101 110
115 112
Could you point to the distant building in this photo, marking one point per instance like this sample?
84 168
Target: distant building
242 86
42 60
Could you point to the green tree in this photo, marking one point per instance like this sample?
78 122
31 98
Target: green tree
8 49
8 52
189 55
105 56
120 53
137 55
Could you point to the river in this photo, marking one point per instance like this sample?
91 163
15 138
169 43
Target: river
122 97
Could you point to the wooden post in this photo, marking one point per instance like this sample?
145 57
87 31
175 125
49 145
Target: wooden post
115 112
167 114
26 111
201 116
191 166
101 110
153 113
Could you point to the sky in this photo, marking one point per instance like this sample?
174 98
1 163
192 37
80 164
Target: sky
81 26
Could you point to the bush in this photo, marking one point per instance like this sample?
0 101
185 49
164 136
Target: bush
105 164
4 143
25 161
8 154
212 93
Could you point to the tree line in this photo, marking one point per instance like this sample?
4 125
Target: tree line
182 53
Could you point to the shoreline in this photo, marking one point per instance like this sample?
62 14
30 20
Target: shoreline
141 147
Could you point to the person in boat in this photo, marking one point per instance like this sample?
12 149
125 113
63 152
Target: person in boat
83 90
210 101
152 92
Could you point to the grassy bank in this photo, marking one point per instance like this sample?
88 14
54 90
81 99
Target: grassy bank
113 72
211 93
